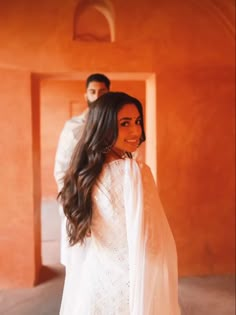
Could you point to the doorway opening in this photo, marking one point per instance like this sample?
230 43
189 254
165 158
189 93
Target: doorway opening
61 97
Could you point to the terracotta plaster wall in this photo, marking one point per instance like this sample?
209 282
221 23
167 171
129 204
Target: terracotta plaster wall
196 165
42 32
19 207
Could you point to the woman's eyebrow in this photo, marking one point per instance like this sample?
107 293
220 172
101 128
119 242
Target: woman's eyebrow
129 118
125 118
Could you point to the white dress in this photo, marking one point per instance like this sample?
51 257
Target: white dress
128 266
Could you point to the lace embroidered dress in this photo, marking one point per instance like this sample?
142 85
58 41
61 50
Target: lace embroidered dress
124 268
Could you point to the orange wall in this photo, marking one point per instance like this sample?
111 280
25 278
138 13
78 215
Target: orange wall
189 47
20 209
196 165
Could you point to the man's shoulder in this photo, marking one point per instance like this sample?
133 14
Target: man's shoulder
75 122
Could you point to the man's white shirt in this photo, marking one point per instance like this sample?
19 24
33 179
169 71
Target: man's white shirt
68 139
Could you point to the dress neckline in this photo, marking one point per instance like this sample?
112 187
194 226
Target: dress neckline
117 161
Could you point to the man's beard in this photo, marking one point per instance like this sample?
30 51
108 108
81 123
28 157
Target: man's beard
89 102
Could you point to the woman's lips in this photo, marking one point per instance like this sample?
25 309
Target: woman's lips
132 141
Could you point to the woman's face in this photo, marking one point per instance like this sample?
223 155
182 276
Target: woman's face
129 129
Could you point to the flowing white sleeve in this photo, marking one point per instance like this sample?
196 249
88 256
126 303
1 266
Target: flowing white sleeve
73 285
152 251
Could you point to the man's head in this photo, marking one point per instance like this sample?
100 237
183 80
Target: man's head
97 84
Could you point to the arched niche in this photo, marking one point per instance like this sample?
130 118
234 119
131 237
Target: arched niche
94 21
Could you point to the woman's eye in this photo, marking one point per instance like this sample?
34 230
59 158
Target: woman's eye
138 122
125 124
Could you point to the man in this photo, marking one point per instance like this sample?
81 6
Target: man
96 85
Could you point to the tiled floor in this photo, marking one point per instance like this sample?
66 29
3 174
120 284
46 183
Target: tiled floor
198 295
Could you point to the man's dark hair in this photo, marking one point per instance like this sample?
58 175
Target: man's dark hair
98 77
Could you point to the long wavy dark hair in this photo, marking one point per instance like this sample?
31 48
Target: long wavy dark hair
100 132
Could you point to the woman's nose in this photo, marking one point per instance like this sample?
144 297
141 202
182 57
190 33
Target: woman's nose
135 130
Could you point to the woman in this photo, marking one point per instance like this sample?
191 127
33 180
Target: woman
122 259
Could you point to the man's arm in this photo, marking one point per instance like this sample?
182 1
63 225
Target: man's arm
65 148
